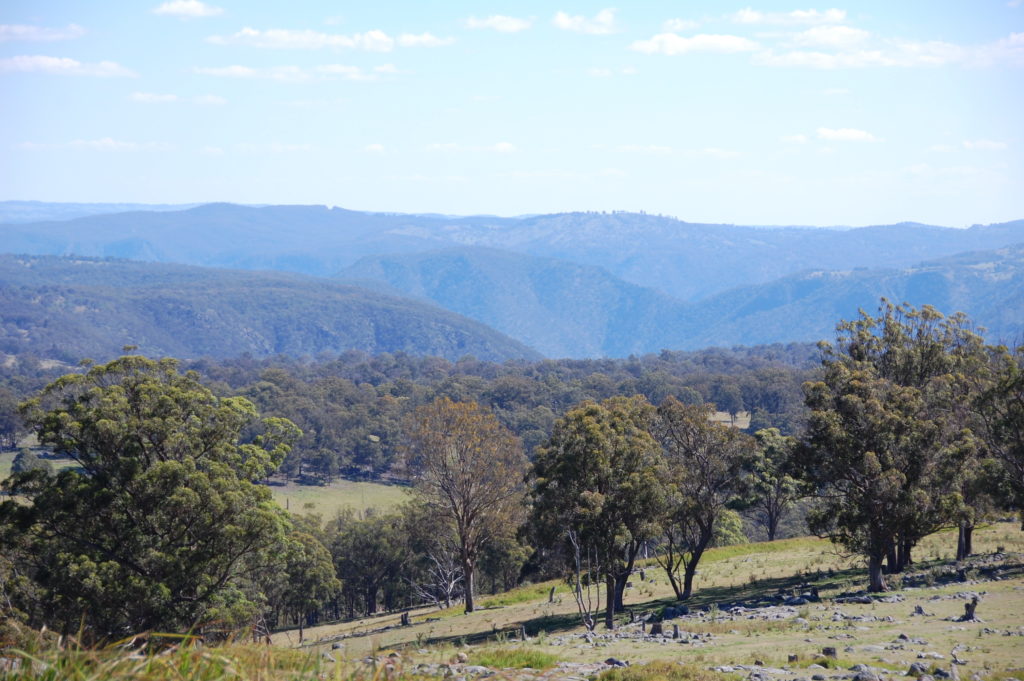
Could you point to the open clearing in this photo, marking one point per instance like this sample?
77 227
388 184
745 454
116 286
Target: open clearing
328 500
737 616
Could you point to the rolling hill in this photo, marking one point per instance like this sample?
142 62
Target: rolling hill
68 308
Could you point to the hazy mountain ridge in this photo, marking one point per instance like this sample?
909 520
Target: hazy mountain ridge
560 308
688 261
568 310
73 307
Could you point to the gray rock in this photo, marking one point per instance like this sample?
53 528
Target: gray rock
612 662
917 669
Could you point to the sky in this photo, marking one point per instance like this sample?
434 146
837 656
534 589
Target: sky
870 112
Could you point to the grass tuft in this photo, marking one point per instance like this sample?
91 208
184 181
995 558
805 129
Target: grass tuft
663 671
514 658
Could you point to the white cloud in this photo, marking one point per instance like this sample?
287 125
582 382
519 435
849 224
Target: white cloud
677 25
984 145
290 74
39 33
296 74
287 39
672 44
845 135
839 37
63 66
894 53
211 100
152 98
795 139
500 23
503 148
423 40
374 148
188 8
796 17
603 22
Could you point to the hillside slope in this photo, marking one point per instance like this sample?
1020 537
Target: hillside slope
67 308
560 308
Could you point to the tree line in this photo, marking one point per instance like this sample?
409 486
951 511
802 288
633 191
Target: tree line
914 424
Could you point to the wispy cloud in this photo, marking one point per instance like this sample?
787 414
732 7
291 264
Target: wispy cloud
500 23
677 25
10 32
603 23
673 44
374 148
159 98
63 66
423 40
845 135
984 145
796 17
188 9
838 37
298 74
287 39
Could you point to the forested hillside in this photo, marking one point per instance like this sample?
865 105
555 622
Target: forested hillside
69 308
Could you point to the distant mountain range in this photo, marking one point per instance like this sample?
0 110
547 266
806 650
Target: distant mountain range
69 308
566 285
687 261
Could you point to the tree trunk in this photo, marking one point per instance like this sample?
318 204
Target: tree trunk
609 611
969 539
688 572
772 526
892 558
961 541
371 600
467 582
875 576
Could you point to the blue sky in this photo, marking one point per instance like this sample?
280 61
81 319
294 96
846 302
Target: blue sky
770 113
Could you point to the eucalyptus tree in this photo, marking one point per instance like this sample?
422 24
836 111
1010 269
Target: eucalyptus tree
598 489
891 431
163 522
704 461
469 469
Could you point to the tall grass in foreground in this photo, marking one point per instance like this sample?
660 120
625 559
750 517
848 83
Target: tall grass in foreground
227 663
518 658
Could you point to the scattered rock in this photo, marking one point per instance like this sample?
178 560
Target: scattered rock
613 662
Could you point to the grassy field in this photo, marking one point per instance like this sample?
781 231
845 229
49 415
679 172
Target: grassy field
863 633
325 500
328 500
781 644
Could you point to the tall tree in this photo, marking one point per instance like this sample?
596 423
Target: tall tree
470 470
159 524
890 431
598 489
771 488
704 462
1002 407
